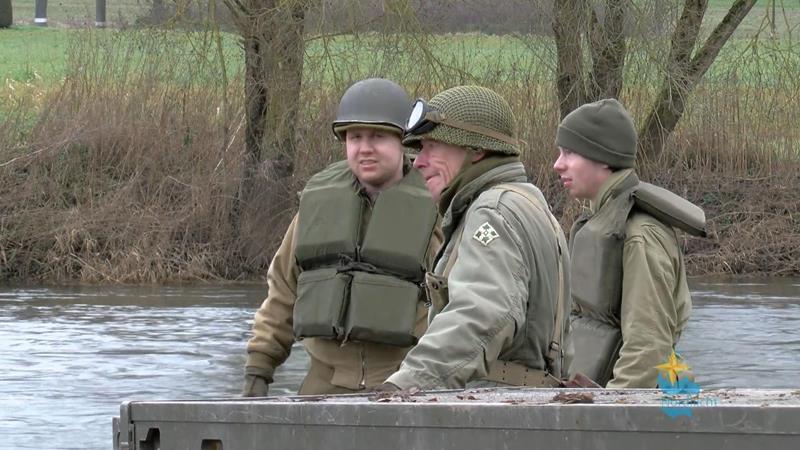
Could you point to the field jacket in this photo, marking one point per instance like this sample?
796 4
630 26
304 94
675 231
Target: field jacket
502 286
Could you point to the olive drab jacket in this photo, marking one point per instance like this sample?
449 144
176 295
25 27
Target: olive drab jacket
630 295
338 363
502 255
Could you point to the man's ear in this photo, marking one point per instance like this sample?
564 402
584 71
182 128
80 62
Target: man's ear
479 155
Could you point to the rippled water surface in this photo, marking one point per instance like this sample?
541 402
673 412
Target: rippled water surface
69 356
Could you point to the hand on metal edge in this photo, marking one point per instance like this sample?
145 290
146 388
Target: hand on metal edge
255 386
580 380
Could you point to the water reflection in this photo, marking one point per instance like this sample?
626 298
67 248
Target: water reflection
71 355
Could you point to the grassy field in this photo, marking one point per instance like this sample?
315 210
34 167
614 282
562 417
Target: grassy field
31 53
40 53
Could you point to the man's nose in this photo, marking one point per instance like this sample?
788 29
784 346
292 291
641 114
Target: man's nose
558 166
367 145
421 160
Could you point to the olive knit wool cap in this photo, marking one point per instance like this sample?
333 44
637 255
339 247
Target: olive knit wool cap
472 105
602 131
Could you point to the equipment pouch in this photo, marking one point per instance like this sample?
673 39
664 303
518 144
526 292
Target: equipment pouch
320 306
399 232
436 291
596 345
382 310
671 209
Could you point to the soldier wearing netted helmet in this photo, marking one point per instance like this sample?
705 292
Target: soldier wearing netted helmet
499 288
347 278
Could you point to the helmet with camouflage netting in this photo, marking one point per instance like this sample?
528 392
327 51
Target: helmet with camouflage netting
477 108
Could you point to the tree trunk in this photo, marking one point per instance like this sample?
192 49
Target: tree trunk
273 42
568 19
607 45
684 72
605 38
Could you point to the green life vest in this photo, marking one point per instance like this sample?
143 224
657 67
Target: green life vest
596 250
361 284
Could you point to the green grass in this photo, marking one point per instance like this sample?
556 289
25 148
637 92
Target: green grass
31 52
787 17
40 54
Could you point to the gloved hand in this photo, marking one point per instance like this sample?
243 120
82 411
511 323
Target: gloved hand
386 387
255 386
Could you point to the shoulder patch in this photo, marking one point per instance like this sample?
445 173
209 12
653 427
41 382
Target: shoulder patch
485 234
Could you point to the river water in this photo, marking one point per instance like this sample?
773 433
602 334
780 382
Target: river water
70 355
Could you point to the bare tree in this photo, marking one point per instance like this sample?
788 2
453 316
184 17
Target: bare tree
605 36
685 68
272 36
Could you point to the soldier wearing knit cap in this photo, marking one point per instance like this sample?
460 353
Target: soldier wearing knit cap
630 297
499 290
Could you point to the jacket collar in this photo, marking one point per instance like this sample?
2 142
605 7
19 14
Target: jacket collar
513 172
615 184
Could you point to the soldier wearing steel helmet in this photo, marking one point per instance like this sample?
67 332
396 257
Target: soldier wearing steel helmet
499 287
347 277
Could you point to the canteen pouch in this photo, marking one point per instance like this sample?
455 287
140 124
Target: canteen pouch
320 306
596 346
382 310
671 209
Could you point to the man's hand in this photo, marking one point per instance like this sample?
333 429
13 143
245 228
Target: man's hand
255 386
580 380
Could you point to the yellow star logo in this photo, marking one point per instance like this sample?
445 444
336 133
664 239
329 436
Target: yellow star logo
673 367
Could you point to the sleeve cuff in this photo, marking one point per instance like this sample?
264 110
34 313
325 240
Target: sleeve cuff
259 364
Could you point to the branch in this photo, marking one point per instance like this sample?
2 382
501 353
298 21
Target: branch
683 74
684 38
713 45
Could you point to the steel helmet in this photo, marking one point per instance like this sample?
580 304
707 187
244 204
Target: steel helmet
374 102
